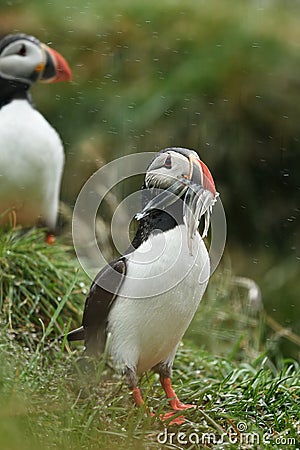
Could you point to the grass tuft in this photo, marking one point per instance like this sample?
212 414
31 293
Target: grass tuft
37 280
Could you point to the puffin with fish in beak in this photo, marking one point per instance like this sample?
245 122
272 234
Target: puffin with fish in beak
141 304
31 151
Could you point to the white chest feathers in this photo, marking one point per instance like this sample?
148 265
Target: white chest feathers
31 164
158 299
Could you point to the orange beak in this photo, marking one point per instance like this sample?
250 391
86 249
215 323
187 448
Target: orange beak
204 177
56 67
207 179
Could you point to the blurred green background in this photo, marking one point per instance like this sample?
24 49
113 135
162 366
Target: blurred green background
219 77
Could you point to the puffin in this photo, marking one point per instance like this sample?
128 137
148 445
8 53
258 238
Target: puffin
140 304
31 150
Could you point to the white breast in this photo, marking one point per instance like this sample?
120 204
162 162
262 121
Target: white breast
31 164
159 297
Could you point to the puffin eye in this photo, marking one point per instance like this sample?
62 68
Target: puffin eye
168 162
22 51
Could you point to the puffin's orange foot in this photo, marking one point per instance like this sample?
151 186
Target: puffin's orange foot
175 403
176 421
50 239
178 406
166 417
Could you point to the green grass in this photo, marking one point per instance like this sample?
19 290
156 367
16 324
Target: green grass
44 405
35 279
47 402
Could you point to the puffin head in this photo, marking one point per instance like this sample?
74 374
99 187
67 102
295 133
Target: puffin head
173 164
178 173
24 59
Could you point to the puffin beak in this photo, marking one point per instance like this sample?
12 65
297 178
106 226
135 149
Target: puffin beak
199 174
56 67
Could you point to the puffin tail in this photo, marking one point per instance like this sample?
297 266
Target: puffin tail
76 335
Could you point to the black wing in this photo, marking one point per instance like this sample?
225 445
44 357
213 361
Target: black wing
103 292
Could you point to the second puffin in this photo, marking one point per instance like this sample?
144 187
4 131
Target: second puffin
31 151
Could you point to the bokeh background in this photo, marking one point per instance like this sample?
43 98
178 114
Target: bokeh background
218 77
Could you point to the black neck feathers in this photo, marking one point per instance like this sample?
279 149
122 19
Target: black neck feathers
158 220
12 90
